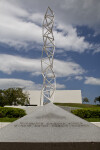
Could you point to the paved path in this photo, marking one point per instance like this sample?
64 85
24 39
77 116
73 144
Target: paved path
69 108
3 124
30 109
96 123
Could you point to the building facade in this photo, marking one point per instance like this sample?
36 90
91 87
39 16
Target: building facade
61 96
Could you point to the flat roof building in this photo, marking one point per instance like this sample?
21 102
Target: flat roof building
61 96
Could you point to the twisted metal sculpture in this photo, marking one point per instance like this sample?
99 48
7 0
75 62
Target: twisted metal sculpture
49 80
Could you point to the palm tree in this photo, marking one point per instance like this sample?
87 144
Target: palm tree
97 99
85 99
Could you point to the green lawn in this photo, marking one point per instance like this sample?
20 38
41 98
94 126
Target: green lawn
78 105
6 119
92 119
82 106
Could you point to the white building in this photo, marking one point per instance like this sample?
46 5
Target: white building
61 96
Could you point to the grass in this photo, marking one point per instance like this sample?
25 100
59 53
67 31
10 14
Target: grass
9 114
92 119
78 105
82 106
6 119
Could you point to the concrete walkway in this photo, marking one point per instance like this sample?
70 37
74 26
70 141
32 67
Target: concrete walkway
30 109
69 108
3 124
96 123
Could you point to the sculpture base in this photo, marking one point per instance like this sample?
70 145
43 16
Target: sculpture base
50 128
51 146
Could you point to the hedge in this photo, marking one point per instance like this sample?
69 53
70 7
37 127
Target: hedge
11 112
87 113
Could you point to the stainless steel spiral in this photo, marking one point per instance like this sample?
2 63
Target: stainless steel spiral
49 80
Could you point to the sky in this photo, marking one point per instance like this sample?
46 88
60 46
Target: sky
77 40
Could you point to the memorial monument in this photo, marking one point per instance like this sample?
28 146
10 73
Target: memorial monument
49 127
49 81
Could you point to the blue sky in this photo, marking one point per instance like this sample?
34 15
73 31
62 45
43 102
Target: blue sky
77 40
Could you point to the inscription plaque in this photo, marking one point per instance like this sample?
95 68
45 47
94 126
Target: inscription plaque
50 124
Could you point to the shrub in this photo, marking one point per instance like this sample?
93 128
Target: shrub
11 112
87 113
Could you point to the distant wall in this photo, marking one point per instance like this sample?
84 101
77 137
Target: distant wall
61 96
68 96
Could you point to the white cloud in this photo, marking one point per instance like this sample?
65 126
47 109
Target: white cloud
78 77
82 12
6 83
64 68
60 86
13 83
10 64
75 12
69 40
96 48
9 9
18 28
15 30
92 81
37 18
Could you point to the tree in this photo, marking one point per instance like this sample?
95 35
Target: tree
2 101
13 96
97 99
85 99
22 97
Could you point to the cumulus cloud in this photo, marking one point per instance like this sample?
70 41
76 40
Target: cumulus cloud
13 83
64 68
15 32
15 29
78 77
10 63
76 12
60 86
96 48
36 18
26 84
19 28
92 81
69 40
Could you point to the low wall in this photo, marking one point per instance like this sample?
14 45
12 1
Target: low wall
61 96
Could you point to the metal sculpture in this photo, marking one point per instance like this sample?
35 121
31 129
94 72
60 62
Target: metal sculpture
49 80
